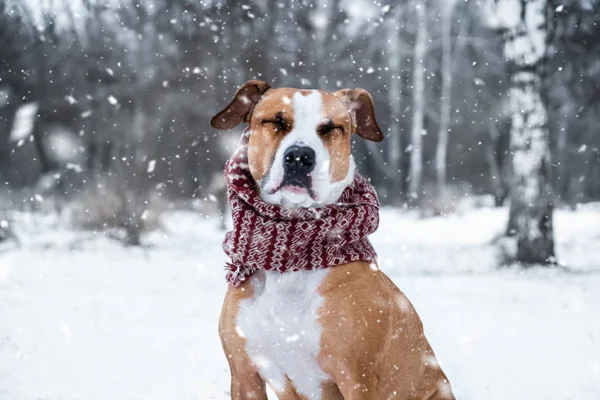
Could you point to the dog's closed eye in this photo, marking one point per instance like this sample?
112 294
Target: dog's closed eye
278 122
328 128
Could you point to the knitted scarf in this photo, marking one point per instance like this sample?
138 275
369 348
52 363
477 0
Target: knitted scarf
273 238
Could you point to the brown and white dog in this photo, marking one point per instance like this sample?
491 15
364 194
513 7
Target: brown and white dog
338 333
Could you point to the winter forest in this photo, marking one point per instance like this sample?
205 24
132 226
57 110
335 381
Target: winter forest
114 206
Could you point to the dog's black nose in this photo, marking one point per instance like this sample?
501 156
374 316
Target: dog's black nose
299 160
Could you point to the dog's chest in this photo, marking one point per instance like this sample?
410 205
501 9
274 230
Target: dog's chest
280 324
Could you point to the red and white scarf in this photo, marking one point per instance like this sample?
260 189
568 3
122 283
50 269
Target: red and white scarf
273 238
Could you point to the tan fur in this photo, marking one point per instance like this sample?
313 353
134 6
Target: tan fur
265 138
246 383
372 341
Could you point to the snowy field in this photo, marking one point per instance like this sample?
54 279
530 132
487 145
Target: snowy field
82 317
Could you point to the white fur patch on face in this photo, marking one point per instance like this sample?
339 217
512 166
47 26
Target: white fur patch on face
307 117
282 331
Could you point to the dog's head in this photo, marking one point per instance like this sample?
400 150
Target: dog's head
299 149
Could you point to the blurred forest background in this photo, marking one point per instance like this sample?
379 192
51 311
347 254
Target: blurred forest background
105 104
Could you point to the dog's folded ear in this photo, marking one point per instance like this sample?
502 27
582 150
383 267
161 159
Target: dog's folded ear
241 107
362 110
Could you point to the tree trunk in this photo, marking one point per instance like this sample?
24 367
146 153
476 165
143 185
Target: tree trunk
442 144
495 173
562 153
416 159
7 118
324 29
497 154
531 202
395 101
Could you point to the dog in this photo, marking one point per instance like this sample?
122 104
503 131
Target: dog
345 332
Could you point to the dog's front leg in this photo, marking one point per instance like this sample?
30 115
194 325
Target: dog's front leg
246 383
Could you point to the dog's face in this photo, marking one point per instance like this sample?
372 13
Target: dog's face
299 149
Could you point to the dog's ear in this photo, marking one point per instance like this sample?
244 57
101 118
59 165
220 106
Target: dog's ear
241 107
359 104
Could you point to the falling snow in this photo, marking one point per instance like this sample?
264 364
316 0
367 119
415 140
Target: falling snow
114 205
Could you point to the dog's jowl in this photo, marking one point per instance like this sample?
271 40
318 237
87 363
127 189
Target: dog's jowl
308 311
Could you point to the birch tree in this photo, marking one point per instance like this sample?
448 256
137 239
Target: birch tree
420 52
395 100
523 25
445 100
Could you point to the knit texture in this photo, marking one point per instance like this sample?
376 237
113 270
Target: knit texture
273 238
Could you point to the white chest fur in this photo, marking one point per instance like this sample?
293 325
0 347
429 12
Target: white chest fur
280 324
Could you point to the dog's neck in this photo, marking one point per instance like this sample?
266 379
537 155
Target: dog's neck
292 201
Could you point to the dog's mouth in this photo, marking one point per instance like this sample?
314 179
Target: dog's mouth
297 185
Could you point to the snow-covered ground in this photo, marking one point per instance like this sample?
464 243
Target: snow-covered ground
82 317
